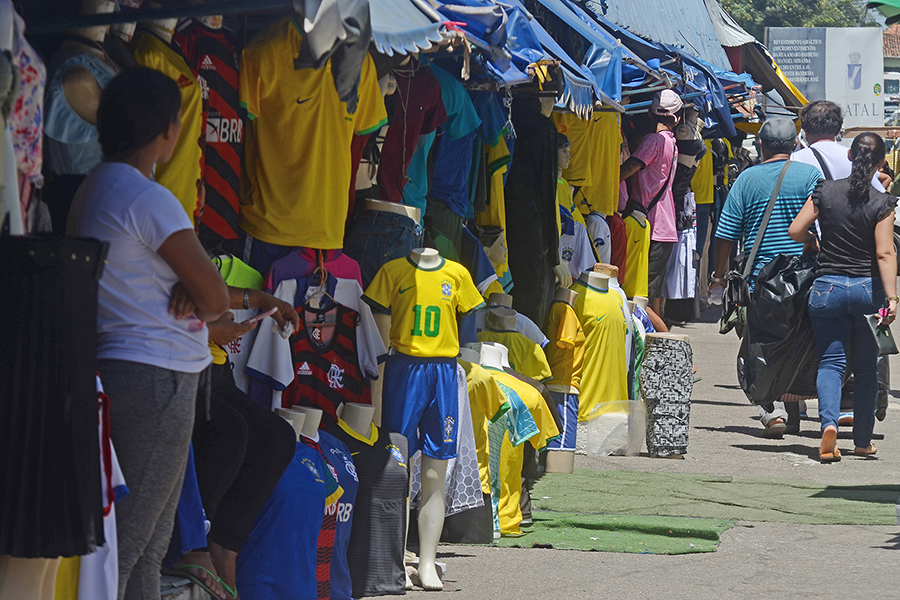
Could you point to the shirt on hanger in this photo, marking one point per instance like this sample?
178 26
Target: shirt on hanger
296 189
423 304
238 274
575 245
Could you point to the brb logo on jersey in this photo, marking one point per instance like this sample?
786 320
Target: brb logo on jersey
446 289
398 456
335 377
220 130
449 424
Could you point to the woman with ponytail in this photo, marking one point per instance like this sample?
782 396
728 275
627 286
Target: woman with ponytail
856 269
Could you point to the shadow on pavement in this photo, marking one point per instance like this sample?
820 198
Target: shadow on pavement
717 402
878 494
891 544
812 452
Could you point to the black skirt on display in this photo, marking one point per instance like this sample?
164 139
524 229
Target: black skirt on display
50 495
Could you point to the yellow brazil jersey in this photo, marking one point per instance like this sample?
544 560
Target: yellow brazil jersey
488 404
637 257
498 159
423 304
296 189
535 404
565 352
702 183
606 141
564 198
604 376
181 174
580 170
525 356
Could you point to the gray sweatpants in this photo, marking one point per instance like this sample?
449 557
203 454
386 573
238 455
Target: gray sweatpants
151 420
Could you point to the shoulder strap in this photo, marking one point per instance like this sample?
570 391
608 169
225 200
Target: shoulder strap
825 169
748 266
662 190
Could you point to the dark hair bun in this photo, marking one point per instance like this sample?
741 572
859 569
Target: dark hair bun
135 107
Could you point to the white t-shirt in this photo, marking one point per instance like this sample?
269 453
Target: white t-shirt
835 157
136 215
598 230
575 248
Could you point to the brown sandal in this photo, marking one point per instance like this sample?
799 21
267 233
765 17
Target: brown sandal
869 451
828 451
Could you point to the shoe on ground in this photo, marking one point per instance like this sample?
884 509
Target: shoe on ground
774 430
845 419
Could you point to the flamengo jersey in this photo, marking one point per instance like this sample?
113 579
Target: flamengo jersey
286 532
181 174
339 457
379 515
326 368
329 527
423 304
210 53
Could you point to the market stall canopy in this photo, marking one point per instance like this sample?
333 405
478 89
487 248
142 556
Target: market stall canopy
400 27
889 8
684 24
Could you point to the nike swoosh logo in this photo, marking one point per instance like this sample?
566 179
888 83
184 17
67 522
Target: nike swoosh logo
354 453
601 318
402 291
299 101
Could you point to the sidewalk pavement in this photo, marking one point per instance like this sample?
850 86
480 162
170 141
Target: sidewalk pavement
755 560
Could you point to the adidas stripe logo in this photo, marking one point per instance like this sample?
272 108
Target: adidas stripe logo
207 63
304 369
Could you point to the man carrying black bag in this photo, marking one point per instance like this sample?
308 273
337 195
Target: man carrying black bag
753 196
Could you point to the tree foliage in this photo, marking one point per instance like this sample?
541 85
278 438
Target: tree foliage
755 15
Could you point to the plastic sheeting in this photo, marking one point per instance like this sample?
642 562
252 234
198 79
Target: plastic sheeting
399 27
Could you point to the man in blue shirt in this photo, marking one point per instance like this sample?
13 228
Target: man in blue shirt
742 216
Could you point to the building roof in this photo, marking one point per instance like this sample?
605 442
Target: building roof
891 39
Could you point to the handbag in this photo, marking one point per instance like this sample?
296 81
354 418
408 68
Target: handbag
883 336
737 285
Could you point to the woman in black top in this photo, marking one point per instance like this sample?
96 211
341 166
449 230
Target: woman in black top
856 267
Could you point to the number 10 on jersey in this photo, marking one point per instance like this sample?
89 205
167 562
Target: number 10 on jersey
432 318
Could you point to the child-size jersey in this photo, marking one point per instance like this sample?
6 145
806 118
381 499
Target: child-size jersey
295 192
377 539
565 352
183 172
524 355
487 404
286 532
329 526
339 457
423 304
326 367
210 53
604 376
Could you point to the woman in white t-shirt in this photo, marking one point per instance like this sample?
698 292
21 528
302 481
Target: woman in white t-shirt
157 290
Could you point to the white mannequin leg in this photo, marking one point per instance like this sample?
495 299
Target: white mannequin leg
431 519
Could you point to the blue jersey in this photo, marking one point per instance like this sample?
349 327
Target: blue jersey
278 561
339 456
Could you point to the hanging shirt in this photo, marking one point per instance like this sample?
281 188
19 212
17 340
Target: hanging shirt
326 363
498 159
580 170
565 353
423 322
487 405
537 408
286 532
416 190
183 172
237 273
300 263
598 231
604 143
296 188
339 457
419 111
329 525
605 374
378 533
703 182
26 121
210 53
575 246
524 355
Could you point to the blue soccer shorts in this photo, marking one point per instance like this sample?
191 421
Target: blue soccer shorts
567 406
420 401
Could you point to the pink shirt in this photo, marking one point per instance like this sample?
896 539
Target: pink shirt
658 153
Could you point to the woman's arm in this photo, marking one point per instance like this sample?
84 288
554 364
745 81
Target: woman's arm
799 229
887 260
263 301
199 276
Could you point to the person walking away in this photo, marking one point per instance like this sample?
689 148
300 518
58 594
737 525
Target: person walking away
856 268
653 164
157 289
742 216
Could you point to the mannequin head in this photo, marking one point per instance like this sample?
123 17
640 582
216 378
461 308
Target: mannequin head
641 301
502 319
487 355
547 103
594 280
563 151
295 419
95 7
498 299
312 418
497 252
123 31
469 355
139 113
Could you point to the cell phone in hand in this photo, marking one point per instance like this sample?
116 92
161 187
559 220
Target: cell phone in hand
260 317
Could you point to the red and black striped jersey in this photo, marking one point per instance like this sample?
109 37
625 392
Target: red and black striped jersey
326 367
211 54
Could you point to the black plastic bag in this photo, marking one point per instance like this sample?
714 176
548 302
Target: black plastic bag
778 354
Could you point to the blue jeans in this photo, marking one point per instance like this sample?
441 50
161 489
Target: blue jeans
837 306
378 237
